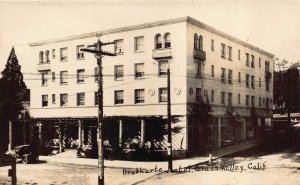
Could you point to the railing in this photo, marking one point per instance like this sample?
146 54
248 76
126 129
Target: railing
268 75
198 54
43 66
162 53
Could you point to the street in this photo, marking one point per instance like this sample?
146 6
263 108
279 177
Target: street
44 173
275 162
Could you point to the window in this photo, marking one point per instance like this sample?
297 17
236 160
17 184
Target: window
162 68
267 66
158 41
63 99
212 98
239 99
239 54
53 77
139 44
96 99
119 72
119 97
199 69
139 70
80 75
198 94
259 101
229 76
223 98
212 45
163 97
267 102
223 51
212 70
196 41
53 53
47 56
63 77
239 77
259 62
259 82
252 61
64 54
252 101
200 43
80 54
247 100
44 78
41 57
139 96
223 75
44 100
229 53
96 71
229 98
119 46
80 99
252 82
267 85
53 99
167 40
247 59
247 80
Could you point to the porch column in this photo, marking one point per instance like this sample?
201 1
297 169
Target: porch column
120 133
83 133
10 136
143 132
24 132
60 132
219 132
31 132
244 129
89 135
79 134
40 125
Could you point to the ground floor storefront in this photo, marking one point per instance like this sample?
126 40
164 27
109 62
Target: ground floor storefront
144 137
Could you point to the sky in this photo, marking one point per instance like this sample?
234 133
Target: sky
272 25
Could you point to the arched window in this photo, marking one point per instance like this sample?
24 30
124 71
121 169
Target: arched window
158 41
195 41
167 38
200 43
47 56
41 57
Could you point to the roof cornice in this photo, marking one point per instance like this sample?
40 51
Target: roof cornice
111 31
199 24
187 19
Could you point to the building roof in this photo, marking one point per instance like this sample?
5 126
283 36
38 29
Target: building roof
187 19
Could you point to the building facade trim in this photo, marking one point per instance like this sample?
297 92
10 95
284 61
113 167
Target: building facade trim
187 19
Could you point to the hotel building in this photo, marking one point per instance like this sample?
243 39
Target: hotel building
208 65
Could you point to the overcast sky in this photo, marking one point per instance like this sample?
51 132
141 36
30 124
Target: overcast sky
272 25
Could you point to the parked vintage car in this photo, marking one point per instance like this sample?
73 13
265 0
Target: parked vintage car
26 153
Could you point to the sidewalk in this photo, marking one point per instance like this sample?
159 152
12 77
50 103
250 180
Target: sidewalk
61 159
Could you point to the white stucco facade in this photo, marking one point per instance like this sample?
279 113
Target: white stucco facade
183 67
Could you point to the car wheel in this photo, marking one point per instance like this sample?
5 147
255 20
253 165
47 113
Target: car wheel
25 160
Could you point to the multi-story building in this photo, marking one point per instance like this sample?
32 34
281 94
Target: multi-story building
233 76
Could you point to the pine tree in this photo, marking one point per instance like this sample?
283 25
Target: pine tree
11 87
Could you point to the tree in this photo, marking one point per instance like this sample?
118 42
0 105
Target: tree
287 88
12 87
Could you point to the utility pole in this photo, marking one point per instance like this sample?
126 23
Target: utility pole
170 165
99 54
